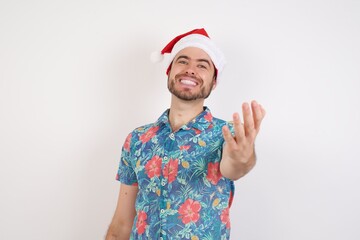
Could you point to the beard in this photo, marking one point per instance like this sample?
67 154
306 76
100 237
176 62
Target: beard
186 94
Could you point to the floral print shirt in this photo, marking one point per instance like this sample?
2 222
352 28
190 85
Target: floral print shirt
182 194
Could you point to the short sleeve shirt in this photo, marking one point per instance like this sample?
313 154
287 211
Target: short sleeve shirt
182 194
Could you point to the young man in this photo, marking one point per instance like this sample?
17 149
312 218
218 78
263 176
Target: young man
177 174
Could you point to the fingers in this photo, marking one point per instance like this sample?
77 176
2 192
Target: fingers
229 139
252 120
238 127
258 114
249 124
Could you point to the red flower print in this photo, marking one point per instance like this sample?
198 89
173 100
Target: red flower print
208 117
153 167
189 211
127 142
213 173
225 217
197 131
171 169
145 137
185 147
141 222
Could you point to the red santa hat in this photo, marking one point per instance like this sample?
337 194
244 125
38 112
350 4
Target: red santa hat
195 38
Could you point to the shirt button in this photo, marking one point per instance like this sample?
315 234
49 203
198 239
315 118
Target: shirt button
163 183
172 136
165 158
162 210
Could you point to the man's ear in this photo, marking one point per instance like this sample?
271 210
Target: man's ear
215 83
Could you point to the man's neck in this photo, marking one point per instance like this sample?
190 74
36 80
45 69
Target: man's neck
182 112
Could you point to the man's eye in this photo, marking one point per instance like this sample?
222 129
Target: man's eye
182 62
202 66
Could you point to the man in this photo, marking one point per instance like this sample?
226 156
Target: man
177 174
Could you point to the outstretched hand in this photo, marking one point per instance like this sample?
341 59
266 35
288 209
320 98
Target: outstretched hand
238 156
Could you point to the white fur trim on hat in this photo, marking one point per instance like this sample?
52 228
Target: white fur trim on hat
204 43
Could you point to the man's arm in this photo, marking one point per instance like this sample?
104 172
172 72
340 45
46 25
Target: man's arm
238 156
121 224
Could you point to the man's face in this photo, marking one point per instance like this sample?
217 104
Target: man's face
192 75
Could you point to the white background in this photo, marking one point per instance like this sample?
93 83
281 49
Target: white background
75 79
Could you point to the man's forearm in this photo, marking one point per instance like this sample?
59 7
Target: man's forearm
234 170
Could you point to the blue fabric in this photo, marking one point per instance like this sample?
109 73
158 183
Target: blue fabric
182 194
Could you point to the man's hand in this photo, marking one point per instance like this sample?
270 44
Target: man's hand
238 156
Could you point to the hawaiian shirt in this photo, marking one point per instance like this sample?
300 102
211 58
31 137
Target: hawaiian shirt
182 194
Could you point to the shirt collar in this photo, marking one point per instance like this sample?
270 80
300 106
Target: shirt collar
200 122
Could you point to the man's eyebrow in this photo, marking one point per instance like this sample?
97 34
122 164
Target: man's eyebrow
199 60
204 60
182 56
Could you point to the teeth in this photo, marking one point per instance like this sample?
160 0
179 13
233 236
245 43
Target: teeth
188 82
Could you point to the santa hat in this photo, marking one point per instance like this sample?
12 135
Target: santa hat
195 38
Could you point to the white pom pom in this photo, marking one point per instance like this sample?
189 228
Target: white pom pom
156 57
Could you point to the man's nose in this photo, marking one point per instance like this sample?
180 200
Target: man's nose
190 69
